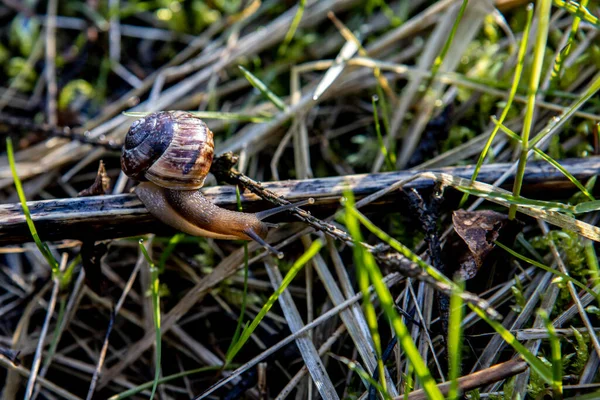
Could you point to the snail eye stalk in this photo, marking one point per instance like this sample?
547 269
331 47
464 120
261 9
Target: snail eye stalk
264 244
267 213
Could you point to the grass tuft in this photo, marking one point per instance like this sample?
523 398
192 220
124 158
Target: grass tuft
42 247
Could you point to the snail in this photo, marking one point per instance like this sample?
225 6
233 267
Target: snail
170 153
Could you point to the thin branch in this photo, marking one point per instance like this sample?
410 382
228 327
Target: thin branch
478 379
116 216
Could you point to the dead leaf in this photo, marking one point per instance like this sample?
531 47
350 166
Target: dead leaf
477 231
100 186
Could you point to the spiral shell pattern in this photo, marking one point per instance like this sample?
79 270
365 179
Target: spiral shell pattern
173 149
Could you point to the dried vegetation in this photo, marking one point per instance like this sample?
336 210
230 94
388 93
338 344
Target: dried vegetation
392 286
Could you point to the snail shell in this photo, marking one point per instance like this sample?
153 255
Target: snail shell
173 149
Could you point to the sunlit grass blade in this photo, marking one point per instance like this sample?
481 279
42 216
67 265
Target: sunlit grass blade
548 159
586 207
387 303
560 58
154 288
390 161
439 60
258 84
42 247
165 379
543 22
399 247
363 265
406 252
554 213
558 121
592 261
300 262
565 277
557 369
173 242
535 363
509 101
353 366
566 50
293 27
505 198
455 343
212 115
577 10
67 274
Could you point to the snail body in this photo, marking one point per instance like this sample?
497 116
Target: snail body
190 212
171 152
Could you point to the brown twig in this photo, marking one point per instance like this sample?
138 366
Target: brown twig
477 379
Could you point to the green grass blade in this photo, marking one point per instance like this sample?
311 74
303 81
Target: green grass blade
154 287
439 60
353 366
406 252
399 247
560 58
258 84
19 187
586 207
557 370
566 50
577 10
67 274
551 270
548 159
300 262
455 343
387 303
509 101
173 242
592 261
543 23
389 162
363 266
293 27
558 121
